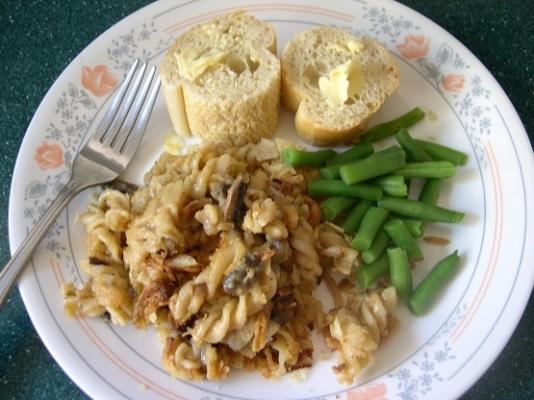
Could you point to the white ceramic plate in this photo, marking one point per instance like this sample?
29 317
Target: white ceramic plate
438 356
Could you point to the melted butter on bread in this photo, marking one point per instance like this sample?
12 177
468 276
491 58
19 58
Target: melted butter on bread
192 64
356 46
343 82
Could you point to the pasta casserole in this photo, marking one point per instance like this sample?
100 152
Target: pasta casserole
221 251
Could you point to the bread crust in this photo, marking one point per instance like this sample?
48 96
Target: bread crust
321 135
222 105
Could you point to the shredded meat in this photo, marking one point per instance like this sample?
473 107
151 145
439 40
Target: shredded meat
305 360
283 187
97 261
192 207
315 211
234 208
284 308
155 295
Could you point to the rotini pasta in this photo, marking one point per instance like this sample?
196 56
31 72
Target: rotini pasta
303 243
221 251
358 326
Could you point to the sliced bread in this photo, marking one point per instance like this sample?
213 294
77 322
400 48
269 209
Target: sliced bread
221 80
334 82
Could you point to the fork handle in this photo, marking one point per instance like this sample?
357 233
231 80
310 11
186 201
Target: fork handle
15 266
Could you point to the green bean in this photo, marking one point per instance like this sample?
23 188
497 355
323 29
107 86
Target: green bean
377 248
430 192
414 226
418 210
334 206
371 223
400 273
414 152
375 165
354 219
371 273
390 128
325 187
359 150
401 236
390 149
299 158
444 153
393 185
331 171
429 287
427 169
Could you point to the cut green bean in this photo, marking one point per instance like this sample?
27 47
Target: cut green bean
390 128
300 158
333 207
400 273
357 151
375 165
415 227
418 210
430 191
373 219
427 169
354 219
390 149
370 274
331 171
401 236
325 187
377 248
414 152
393 185
443 153
429 287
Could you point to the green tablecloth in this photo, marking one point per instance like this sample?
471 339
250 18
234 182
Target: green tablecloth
39 38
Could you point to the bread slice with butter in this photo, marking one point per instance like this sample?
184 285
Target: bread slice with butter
334 82
221 80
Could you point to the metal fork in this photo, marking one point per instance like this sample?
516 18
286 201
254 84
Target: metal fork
102 159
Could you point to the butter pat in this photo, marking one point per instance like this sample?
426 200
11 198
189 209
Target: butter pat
192 64
342 82
355 46
172 145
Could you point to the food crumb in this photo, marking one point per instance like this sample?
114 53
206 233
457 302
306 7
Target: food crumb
432 116
436 240
299 375
173 145
143 387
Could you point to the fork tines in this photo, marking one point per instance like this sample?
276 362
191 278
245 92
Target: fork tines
125 120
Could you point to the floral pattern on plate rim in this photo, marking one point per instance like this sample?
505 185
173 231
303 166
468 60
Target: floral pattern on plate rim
439 63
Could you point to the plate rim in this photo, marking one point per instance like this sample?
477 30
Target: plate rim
523 158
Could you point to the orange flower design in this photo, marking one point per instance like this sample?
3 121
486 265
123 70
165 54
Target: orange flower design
98 80
453 83
414 46
373 391
49 156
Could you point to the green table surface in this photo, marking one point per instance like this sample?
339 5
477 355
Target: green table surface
38 39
